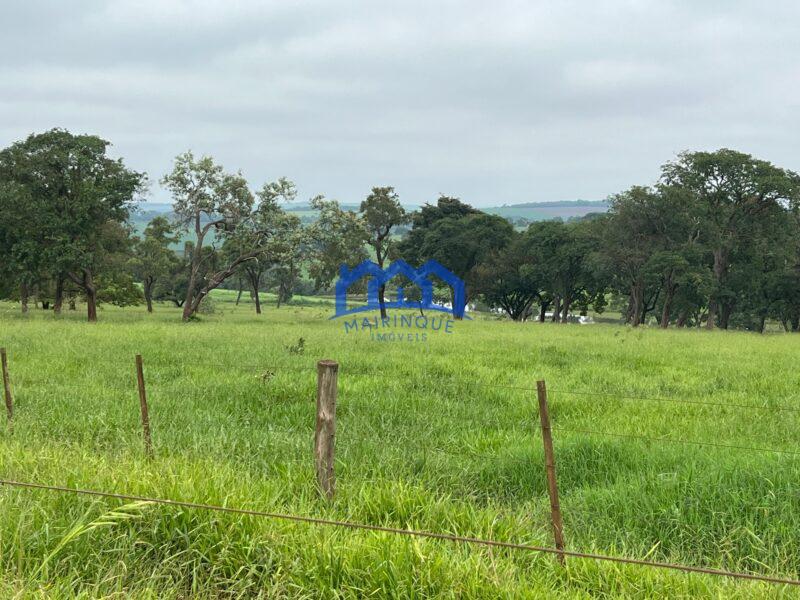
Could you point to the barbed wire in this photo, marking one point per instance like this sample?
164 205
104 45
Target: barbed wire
625 396
674 440
404 532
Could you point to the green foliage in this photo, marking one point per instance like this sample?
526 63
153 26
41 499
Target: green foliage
735 197
206 199
457 236
337 237
271 239
62 206
381 211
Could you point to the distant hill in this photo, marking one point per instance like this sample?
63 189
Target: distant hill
529 211
544 211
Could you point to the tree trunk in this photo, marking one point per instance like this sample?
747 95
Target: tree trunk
556 309
725 315
59 299
190 299
720 270
565 310
682 318
256 294
91 296
72 303
254 277
543 311
148 293
382 300
762 324
669 294
23 297
636 303
239 295
712 314
665 313
629 309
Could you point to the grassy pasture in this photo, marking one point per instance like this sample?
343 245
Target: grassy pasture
428 438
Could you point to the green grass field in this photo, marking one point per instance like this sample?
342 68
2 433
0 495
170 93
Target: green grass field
428 438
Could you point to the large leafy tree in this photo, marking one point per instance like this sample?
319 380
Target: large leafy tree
457 236
563 254
67 199
508 278
423 220
649 243
734 193
381 212
20 258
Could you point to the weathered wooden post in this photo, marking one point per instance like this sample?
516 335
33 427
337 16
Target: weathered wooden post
148 443
325 433
550 467
7 390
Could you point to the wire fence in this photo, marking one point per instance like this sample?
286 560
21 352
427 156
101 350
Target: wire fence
404 532
437 381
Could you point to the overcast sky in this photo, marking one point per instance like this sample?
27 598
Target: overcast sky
494 102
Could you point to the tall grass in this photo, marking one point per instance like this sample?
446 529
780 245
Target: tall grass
434 436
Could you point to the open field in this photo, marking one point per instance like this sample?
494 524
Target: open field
428 438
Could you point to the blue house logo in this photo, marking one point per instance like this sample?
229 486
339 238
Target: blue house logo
380 277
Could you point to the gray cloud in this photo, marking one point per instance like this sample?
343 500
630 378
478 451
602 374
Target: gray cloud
494 102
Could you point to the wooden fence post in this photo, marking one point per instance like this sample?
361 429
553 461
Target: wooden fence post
7 390
325 433
148 443
550 466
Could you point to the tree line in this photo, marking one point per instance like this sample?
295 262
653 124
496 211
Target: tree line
715 242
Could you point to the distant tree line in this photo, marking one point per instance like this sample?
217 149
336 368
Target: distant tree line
714 243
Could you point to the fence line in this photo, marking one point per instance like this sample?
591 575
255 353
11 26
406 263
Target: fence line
674 440
676 400
405 532
325 461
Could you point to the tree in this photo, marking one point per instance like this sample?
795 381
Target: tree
172 286
20 261
275 225
153 258
70 195
562 255
649 243
733 192
381 211
289 249
457 236
336 238
508 278
207 199
423 220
